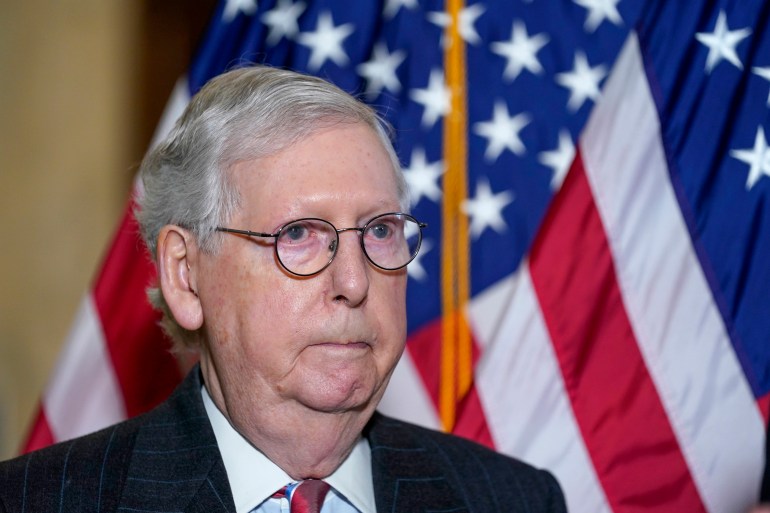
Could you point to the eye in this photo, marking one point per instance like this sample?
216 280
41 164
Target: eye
293 233
380 231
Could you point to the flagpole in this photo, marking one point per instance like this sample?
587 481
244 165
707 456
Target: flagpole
456 352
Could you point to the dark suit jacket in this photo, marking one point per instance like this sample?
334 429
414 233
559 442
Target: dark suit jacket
168 460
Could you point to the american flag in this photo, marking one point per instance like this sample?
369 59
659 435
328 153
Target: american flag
592 295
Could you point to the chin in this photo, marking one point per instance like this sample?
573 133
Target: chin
340 396
330 405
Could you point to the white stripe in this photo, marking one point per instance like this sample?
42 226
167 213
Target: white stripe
681 334
406 397
175 106
83 394
522 391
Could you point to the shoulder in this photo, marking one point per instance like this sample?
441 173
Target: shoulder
461 452
481 472
89 473
87 468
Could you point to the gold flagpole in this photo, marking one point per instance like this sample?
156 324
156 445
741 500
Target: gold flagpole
456 356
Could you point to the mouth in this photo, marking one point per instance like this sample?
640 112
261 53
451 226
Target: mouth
344 345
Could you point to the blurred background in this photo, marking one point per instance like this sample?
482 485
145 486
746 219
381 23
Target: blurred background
82 86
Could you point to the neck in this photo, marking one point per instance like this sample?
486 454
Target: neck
304 442
310 444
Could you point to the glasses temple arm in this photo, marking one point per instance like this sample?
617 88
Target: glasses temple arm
246 232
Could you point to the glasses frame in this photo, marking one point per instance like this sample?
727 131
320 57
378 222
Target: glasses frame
336 243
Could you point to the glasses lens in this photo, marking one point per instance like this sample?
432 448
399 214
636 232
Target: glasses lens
392 240
306 246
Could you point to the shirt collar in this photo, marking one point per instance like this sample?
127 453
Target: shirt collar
353 478
253 477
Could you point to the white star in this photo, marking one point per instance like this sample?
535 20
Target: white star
502 131
233 7
521 51
764 73
582 81
758 158
466 19
436 98
282 20
559 159
415 269
722 43
422 176
598 11
393 6
485 210
380 70
326 42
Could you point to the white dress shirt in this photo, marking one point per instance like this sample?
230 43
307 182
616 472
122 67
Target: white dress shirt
254 478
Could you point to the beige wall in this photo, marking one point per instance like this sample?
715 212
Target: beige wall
65 115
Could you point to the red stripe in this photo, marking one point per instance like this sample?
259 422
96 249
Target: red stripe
764 407
625 427
424 346
40 434
145 369
472 421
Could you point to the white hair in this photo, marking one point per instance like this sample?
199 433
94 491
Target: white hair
244 114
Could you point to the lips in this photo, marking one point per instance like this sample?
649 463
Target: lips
344 345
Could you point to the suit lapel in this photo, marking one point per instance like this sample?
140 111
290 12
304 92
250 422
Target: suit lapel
176 464
409 473
214 494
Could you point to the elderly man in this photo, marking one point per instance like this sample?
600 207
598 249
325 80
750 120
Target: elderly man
275 214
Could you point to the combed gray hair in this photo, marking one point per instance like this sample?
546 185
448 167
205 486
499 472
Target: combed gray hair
244 114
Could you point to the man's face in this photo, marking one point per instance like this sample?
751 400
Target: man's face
327 342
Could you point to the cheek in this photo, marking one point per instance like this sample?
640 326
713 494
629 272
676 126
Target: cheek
239 302
390 312
268 312
396 293
257 341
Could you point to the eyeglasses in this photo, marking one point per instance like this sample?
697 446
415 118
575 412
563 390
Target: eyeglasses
307 246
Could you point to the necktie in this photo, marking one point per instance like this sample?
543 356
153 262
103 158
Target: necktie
307 496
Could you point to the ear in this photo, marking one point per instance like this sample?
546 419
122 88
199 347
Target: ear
177 270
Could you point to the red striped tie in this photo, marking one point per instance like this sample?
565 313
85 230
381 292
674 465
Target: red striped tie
307 497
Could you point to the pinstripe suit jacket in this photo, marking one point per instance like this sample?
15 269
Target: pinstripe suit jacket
168 461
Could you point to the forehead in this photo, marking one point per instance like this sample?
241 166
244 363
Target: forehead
343 168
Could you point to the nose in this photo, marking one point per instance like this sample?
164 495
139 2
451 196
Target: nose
350 271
